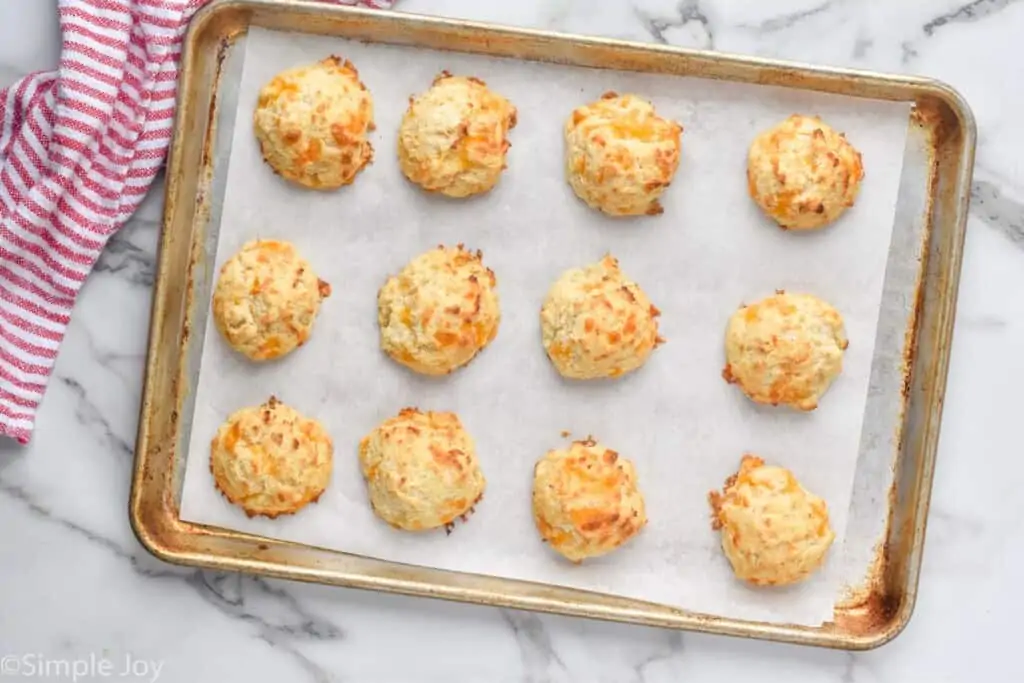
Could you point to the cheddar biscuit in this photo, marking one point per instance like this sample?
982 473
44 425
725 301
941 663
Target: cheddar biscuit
620 155
586 501
803 174
311 123
270 460
421 470
266 299
453 138
596 322
439 311
785 350
774 531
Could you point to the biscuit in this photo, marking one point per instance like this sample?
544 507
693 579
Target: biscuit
421 470
774 532
439 311
270 460
266 299
803 174
311 123
620 155
595 322
585 500
785 349
453 138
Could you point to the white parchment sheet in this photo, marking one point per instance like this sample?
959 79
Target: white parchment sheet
683 426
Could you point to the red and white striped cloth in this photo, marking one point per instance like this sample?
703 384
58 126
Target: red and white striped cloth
79 148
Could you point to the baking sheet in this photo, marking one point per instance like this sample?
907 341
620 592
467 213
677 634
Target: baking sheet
682 425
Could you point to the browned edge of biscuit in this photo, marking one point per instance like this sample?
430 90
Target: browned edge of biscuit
715 497
464 517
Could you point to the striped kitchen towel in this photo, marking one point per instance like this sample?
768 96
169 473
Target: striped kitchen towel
79 149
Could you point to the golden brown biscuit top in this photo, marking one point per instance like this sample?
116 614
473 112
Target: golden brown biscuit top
266 299
622 118
785 349
422 468
440 309
454 136
803 173
598 321
312 123
585 499
621 154
774 530
271 459
431 433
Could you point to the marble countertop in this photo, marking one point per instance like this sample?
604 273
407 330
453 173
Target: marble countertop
75 584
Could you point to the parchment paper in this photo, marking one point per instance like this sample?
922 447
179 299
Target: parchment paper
683 426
